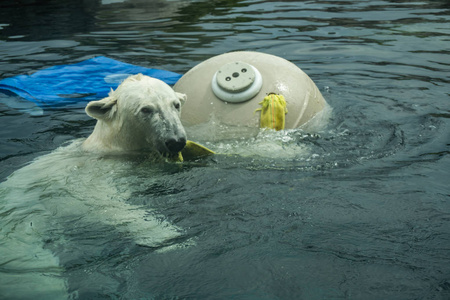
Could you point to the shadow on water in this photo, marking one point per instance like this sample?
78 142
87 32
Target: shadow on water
356 210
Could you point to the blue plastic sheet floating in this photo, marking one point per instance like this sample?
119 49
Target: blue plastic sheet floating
88 80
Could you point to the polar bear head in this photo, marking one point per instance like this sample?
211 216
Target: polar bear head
142 114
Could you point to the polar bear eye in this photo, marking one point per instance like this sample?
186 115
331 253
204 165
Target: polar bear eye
146 110
177 105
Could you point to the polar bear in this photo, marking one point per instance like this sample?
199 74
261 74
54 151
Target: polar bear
142 114
81 186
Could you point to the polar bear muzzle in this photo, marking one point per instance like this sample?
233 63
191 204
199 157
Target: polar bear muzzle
176 145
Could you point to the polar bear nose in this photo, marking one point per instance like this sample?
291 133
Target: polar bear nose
176 145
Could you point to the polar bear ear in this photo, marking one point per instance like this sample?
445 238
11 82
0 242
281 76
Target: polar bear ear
181 97
103 109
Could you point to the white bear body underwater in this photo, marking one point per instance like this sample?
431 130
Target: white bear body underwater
82 186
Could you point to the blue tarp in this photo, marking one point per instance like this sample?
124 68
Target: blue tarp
88 80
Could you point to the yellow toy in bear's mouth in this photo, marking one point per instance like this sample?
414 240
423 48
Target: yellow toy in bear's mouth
192 151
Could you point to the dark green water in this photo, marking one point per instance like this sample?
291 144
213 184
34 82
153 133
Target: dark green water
364 214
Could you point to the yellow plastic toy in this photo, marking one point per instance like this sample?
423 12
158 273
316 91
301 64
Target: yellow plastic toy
273 112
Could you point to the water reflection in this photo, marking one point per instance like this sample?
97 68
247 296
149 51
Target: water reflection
364 213
160 32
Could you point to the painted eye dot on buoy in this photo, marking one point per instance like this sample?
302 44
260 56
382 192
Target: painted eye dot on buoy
244 70
228 78
235 74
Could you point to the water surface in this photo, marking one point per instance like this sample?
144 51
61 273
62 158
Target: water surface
361 211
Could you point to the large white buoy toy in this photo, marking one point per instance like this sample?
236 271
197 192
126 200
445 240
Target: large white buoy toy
232 87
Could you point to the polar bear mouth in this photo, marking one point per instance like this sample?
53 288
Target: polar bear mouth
172 146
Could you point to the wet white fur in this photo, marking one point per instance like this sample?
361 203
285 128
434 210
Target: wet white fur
76 183
141 114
